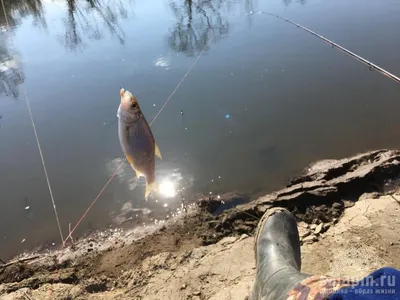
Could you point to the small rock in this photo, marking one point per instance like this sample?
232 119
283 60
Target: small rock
318 229
241 228
335 221
302 225
310 239
318 208
373 195
76 292
337 205
313 226
183 286
243 236
348 204
391 243
197 293
304 232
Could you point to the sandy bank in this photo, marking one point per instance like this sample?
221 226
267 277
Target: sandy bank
348 216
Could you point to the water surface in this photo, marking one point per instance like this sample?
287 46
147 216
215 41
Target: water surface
264 100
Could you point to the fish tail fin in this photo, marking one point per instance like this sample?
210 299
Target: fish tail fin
150 187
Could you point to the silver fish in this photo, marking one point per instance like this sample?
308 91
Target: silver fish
137 140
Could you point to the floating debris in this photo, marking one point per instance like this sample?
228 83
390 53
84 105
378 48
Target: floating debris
182 112
218 197
219 177
227 116
162 62
23 241
27 207
53 244
186 128
154 105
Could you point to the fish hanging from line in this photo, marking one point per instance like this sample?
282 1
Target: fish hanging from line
137 140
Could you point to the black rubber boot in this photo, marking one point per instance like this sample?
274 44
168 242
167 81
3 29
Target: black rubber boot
278 258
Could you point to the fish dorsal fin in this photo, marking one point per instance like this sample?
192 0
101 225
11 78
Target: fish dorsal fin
157 151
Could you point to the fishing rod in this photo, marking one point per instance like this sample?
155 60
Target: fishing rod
371 65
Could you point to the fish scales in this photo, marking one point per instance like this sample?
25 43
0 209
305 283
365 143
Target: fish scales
137 140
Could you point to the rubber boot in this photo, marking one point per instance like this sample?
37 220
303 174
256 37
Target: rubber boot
277 253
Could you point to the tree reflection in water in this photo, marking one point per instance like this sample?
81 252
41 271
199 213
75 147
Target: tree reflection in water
11 75
199 22
16 10
85 19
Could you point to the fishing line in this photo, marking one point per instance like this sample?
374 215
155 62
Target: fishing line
34 129
122 163
371 65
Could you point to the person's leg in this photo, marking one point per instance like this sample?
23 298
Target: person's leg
278 259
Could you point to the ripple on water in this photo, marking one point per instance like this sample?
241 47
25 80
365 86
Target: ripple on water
162 62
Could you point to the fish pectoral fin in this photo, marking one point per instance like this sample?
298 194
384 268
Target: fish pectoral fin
150 187
129 158
139 174
157 151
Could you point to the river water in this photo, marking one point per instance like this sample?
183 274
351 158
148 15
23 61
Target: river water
264 100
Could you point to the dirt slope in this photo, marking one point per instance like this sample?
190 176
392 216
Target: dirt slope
348 217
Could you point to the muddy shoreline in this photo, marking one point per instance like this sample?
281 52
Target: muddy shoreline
118 263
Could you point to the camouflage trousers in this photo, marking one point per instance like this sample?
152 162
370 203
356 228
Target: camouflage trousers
317 287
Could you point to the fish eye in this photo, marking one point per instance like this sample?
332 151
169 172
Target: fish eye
134 105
